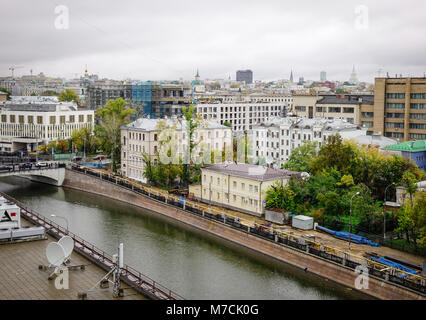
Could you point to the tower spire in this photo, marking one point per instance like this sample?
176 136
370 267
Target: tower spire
291 76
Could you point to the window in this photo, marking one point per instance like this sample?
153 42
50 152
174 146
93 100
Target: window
398 125
418 136
395 115
395 105
12 118
52 120
234 198
398 135
72 118
21 119
348 110
395 95
418 96
417 126
367 114
218 181
418 116
251 188
419 106
62 119
243 186
3 118
89 118
256 189
81 118
39 119
234 184
334 109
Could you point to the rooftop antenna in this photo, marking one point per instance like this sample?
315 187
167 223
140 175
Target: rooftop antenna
118 264
59 256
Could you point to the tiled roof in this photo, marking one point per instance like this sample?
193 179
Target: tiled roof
250 171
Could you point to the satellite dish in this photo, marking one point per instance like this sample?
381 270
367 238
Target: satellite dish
55 254
67 244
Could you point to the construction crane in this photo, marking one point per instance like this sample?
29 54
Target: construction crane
12 68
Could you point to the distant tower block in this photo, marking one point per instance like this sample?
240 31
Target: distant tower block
291 76
245 75
323 76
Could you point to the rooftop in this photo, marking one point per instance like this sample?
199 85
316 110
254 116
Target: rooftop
41 107
250 171
146 124
20 278
374 140
346 99
409 146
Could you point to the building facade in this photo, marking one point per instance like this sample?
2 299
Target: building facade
161 100
148 135
274 140
242 112
245 75
238 186
24 125
414 150
399 108
99 92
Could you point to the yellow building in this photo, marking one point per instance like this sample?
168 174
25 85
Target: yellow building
3 96
238 186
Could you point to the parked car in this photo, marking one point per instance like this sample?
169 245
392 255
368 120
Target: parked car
42 164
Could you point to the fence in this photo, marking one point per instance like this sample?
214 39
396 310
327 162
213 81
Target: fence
380 271
129 275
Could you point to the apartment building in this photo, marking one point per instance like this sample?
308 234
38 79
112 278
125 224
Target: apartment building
148 135
352 108
243 111
399 110
274 140
238 186
23 125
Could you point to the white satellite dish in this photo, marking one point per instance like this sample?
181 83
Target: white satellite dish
67 243
55 254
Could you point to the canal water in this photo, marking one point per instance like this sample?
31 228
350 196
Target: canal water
193 265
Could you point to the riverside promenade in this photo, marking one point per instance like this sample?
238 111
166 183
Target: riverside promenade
323 261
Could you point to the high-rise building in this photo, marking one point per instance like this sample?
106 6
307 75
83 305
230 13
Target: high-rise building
323 76
399 110
291 76
245 75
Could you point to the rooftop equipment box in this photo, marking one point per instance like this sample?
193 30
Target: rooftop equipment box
10 216
274 216
303 222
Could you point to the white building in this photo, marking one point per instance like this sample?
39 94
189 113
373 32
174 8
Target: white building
150 136
274 140
242 111
23 124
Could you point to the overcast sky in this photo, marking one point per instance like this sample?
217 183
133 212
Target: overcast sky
170 39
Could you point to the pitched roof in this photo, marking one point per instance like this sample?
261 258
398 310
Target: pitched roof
250 171
409 146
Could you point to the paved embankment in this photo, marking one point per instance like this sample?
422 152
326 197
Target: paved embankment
324 268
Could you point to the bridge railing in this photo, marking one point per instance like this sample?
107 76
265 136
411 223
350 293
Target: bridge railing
130 275
218 214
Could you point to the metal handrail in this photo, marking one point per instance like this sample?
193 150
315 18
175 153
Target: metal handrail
159 290
152 190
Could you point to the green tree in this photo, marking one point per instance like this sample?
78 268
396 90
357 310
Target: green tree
50 93
84 140
301 157
8 93
409 182
112 117
280 197
68 95
227 124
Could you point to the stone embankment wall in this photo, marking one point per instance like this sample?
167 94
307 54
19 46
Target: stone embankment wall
338 273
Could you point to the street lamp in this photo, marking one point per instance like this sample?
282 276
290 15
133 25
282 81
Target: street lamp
56 216
384 212
350 221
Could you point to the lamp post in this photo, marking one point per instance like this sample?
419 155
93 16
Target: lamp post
56 216
350 221
384 212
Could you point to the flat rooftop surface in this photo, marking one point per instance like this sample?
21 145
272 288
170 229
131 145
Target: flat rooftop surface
21 279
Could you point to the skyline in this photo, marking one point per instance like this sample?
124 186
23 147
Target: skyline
168 40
